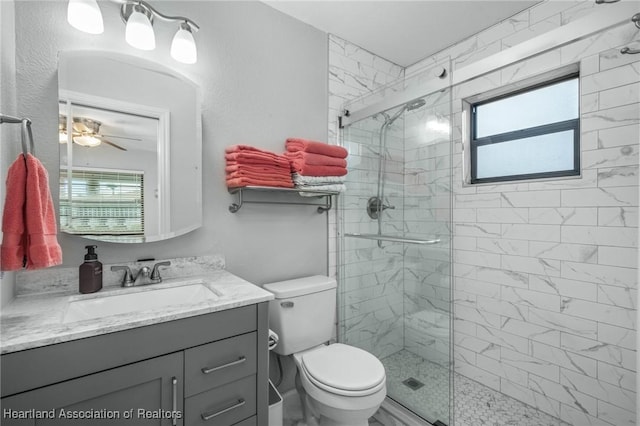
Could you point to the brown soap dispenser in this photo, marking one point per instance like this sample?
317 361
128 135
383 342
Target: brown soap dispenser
90 272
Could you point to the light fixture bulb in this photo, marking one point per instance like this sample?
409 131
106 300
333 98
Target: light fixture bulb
87 140
85 15
183 46
139 31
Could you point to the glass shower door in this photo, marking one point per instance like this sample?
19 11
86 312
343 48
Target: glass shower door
395 284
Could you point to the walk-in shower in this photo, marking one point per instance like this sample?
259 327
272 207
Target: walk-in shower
395 260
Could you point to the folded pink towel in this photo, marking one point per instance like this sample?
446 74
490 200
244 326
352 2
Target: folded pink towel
250 157
257 168
14 237
246 148
309 170
306 145
315 159
251 175
243 181
43 248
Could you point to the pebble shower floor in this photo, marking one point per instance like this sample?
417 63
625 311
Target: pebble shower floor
475 404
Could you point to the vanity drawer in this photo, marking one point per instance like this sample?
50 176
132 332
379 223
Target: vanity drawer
223 406
215 364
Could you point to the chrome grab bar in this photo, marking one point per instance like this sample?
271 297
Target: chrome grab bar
381 237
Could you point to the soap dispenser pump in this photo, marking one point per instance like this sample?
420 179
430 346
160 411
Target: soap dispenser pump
90 272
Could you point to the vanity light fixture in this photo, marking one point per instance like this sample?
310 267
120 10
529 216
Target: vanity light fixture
140 16
183 46
85 15
139 30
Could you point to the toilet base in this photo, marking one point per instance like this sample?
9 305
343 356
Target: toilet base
314 412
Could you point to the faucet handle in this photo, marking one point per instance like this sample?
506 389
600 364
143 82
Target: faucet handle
127 280
155 274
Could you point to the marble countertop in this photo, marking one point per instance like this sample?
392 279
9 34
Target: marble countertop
33 321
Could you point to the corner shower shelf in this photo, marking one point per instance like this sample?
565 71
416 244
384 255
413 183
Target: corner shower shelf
240 194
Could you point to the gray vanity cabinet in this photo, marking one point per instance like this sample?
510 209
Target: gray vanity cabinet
210 368
139 392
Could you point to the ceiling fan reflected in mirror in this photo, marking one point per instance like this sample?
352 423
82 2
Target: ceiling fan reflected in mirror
86 132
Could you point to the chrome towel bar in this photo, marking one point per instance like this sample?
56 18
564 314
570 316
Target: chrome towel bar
391 238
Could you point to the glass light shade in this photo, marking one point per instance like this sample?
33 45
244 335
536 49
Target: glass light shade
139 32
86 140
85 15
183 46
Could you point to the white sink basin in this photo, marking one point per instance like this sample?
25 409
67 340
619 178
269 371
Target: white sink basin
145 299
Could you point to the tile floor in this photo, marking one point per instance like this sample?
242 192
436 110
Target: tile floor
475 404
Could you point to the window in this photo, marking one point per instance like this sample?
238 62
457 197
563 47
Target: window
98 202
528 134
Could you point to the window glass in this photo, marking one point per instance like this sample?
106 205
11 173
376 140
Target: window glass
549 104
538 154
102 203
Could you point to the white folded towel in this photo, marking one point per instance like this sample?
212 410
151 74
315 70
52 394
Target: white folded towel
337 187
300 180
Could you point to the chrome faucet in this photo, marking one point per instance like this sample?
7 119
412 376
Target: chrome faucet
144 276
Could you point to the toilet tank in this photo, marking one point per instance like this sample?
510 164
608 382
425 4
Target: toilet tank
303 313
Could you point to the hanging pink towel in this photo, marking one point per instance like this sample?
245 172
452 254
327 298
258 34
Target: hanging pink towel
43 249
306 145
28 222
13 224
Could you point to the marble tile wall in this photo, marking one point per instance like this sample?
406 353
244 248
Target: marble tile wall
545 271
371 294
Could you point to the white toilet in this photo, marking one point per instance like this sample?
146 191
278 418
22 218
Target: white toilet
339 384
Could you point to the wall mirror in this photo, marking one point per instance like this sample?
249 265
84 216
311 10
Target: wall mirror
130 137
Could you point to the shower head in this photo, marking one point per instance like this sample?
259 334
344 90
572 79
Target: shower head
409 106
418 103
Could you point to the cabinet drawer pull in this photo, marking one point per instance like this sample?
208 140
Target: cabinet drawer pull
174 388
209 416
207 370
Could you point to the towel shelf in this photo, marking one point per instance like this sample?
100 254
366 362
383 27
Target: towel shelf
392 238
241 199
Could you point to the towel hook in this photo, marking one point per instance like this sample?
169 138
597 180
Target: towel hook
25 134
25 131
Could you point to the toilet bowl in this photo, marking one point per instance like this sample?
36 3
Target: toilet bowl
340 385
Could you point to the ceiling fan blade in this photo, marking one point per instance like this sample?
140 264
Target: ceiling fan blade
113 144
122 137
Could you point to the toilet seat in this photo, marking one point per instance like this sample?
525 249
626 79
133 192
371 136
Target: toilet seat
343 370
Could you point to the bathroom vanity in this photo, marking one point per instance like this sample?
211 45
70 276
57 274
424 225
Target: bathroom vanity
185 364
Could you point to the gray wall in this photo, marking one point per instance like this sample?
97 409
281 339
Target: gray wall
9 133
264 78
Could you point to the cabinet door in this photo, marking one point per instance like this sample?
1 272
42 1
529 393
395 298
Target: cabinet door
143 393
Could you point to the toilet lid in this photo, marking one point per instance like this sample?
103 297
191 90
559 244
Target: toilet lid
343 368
